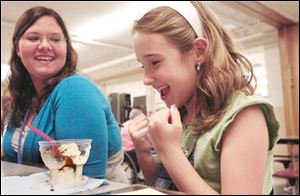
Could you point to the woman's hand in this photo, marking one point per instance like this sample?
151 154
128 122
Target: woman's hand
165 129
138 129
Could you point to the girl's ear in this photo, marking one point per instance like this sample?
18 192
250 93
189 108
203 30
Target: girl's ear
200 45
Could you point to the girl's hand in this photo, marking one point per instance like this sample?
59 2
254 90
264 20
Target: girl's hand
165 129
138 129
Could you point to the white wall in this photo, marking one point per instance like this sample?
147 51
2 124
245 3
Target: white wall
275 92
132 85
256 56
268 56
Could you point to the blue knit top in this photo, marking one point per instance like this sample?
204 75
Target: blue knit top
76 108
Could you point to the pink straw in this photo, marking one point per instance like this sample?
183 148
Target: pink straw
49 139
42 134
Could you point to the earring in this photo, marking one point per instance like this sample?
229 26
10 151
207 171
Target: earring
198 66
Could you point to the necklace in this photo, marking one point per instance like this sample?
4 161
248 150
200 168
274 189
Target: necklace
20 136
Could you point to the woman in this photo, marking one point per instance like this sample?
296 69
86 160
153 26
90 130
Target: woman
47 92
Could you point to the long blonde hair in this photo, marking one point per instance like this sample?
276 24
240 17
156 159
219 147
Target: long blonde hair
224 70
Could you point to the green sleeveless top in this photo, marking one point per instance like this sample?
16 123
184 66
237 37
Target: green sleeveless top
207 150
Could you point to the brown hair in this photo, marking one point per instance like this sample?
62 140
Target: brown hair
224 70
20 84
5 104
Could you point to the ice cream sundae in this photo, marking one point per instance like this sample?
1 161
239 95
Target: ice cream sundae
65 168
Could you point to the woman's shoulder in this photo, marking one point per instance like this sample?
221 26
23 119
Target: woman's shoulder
76 79
77 82
76 85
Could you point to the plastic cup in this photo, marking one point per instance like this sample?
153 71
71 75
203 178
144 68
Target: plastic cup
65 170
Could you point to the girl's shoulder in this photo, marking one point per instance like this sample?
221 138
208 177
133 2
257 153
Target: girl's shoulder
240 101
249 103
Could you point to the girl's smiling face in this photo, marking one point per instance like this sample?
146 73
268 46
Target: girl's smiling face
166 68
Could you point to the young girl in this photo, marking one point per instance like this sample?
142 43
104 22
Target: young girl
216 137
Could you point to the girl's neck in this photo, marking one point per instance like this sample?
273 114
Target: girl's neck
190 107
190 116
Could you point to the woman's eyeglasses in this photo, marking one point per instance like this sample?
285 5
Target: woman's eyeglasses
53 40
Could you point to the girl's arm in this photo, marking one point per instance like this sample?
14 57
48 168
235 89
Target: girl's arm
244 153
138 129
149 166
243 156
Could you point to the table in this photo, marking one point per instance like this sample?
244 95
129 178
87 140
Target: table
14 169
290 141
138 187
293 174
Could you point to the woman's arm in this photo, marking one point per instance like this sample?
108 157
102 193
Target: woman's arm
80 113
